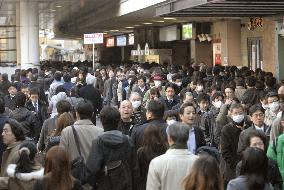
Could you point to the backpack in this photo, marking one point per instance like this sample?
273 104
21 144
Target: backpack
78 166
116 175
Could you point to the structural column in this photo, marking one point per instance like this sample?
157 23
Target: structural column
18 41
29 34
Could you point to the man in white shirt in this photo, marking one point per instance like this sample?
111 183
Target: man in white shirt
166 172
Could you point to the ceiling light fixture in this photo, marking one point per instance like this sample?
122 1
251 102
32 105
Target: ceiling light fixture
114 30
129 27
52 10
159 21
170 18
147 23
58 6
136 25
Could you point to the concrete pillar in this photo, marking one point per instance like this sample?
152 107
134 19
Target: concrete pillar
11 56
29 34
18 41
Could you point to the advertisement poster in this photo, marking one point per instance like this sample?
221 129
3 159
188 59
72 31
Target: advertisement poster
217 54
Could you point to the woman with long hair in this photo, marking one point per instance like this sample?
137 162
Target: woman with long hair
64 120
153 145
23 175
253 174
204 175
57 172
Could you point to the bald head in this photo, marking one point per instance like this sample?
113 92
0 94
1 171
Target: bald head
281 90
126 110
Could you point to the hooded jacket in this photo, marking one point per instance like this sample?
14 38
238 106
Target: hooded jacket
23 181
108 147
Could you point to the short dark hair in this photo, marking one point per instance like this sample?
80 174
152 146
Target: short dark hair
216 95
236 106
60 88
141 77
203 97
85 109
272 94
250 81
270 81
189 104
34 90
176 76
57 76
110 118
170 85
16 129
240 81
67 77
34 77
157 108
256 108
20 99
63 106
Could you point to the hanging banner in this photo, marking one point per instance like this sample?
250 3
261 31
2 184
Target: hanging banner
95 38
217 54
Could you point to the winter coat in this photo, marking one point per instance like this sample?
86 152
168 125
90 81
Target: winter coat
108 147
276 152
3 119
52 104
48 126
30 123
23 181
137 134
92 94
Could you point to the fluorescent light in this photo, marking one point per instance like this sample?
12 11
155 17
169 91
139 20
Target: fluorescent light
169 18
136 25
147 23
129 27
114 30
52 10
159 21
58 6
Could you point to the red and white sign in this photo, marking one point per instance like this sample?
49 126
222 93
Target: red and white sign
96 38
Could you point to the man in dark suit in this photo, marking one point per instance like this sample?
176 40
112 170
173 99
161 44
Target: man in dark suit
37 106
10 98
35 84
188 116
171 99
154 114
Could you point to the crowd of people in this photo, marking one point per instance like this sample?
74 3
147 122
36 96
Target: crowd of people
141 127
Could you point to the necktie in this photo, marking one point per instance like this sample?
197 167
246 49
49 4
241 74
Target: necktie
35 105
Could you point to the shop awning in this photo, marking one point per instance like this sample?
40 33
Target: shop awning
220 8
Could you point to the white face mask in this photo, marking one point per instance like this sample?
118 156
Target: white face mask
178 84
218 104
136 104
238 118
157 83
274 106
170 122
199 88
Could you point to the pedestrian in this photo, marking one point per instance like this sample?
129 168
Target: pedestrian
178 161
57 172
204 175
253 173
153 146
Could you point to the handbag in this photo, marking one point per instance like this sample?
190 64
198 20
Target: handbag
78 166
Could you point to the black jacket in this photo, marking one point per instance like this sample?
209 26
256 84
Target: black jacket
274 175
3 119
169 104
42 110
108 147
91 93
39 86
137 134
229 150
125 127
10 102
29 121
199 138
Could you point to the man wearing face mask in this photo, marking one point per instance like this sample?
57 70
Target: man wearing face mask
139 112
177 79
229 141
273 109
217 101
199 89
157 84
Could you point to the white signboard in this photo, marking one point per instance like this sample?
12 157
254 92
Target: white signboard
96 38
